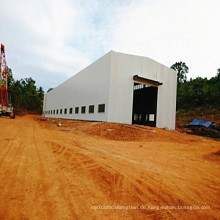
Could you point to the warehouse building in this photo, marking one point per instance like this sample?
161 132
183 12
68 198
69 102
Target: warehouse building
117 88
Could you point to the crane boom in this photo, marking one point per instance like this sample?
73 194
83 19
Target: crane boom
4 79
5 109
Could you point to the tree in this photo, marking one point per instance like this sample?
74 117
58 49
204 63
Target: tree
25 95
50 89
40 98
10 78
218 73
16 95
199 93
182 69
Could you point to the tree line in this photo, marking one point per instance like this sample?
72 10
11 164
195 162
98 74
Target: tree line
196 93
24 94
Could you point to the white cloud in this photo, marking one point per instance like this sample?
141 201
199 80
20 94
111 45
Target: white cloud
50 40
171 31
36 35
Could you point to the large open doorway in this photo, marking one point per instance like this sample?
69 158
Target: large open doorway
145 104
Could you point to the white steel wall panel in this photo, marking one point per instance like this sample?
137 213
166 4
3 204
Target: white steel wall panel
123 68
88 87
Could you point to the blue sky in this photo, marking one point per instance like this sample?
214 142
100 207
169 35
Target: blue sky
51 40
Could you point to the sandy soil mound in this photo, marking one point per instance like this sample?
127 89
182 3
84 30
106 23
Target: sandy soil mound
122 132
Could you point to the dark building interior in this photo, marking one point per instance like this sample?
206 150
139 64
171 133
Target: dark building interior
144 105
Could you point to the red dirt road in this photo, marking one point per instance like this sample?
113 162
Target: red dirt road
85 170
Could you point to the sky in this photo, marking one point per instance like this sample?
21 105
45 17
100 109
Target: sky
51 40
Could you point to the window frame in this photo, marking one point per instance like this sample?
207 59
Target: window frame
76 110
83 109
100 110
91 109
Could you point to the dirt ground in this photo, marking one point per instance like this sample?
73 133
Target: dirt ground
90 170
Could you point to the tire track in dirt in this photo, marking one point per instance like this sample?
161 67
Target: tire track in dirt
79 183
36 188
5 144
116 184
56 195
109 181
9 185
91 173
20 188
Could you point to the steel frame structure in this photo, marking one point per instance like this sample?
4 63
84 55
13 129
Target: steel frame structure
3 79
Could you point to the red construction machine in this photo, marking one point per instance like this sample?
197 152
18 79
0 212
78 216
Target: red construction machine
5 107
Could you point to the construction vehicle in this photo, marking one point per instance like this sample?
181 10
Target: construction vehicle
6 108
